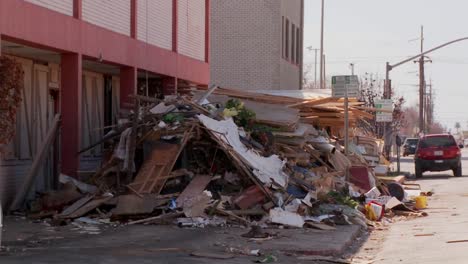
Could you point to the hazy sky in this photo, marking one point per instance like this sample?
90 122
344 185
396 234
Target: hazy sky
371 32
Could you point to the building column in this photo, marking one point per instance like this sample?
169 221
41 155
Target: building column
207 31
128 84
169 85
70 100
77 10
174 26
134 19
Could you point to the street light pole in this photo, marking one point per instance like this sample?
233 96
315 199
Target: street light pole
321 45
389 67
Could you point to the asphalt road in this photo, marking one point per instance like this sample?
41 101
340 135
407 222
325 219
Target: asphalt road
424 240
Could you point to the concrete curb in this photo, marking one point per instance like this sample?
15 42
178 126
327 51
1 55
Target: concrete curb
336 251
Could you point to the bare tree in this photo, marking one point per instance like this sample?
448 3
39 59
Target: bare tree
307 78
370 90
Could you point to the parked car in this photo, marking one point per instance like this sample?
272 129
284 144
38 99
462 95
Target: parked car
409 147
438 152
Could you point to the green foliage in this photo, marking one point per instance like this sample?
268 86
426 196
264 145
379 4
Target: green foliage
234 103
171 118
242 116
340 198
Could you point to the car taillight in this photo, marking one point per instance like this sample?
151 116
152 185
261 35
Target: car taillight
423 153
452 152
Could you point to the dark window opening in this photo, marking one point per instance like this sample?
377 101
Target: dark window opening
286 49
282 37
298 47
293 45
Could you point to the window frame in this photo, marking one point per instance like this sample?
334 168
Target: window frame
286 48
282 37
298 46
293 43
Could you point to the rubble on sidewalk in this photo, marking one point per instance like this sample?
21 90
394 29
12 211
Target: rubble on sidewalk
236 159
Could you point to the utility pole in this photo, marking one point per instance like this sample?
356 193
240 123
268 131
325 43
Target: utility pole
352 68
423 112
322 62
421 85
429 106
389 67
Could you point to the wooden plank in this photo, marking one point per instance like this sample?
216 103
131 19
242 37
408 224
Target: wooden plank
133 140
75 206
361 113
149 172
160 169
313 102
89 207
341 104
39 160
195 188
154 218
230 214
457 241
322 114
207 93
134 205
158 166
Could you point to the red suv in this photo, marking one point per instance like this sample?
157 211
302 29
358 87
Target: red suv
437 153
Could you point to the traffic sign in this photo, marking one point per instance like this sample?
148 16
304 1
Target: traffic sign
385 116
340 83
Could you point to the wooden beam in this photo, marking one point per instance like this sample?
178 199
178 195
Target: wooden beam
38 162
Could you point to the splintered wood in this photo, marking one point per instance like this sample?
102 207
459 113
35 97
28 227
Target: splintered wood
157 168
195 187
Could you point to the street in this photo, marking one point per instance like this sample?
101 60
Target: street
424 240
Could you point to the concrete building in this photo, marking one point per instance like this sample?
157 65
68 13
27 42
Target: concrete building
82 59
257 45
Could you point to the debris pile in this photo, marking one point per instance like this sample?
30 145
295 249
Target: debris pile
223 157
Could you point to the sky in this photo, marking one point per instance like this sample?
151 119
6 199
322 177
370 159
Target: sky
369 33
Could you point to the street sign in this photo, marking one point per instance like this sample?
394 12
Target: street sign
387 115
339 84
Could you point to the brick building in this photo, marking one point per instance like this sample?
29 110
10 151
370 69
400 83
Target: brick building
82 59
257 45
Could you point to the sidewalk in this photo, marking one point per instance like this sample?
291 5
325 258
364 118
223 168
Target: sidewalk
36 243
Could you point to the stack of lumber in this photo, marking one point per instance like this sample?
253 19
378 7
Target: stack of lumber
323 112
